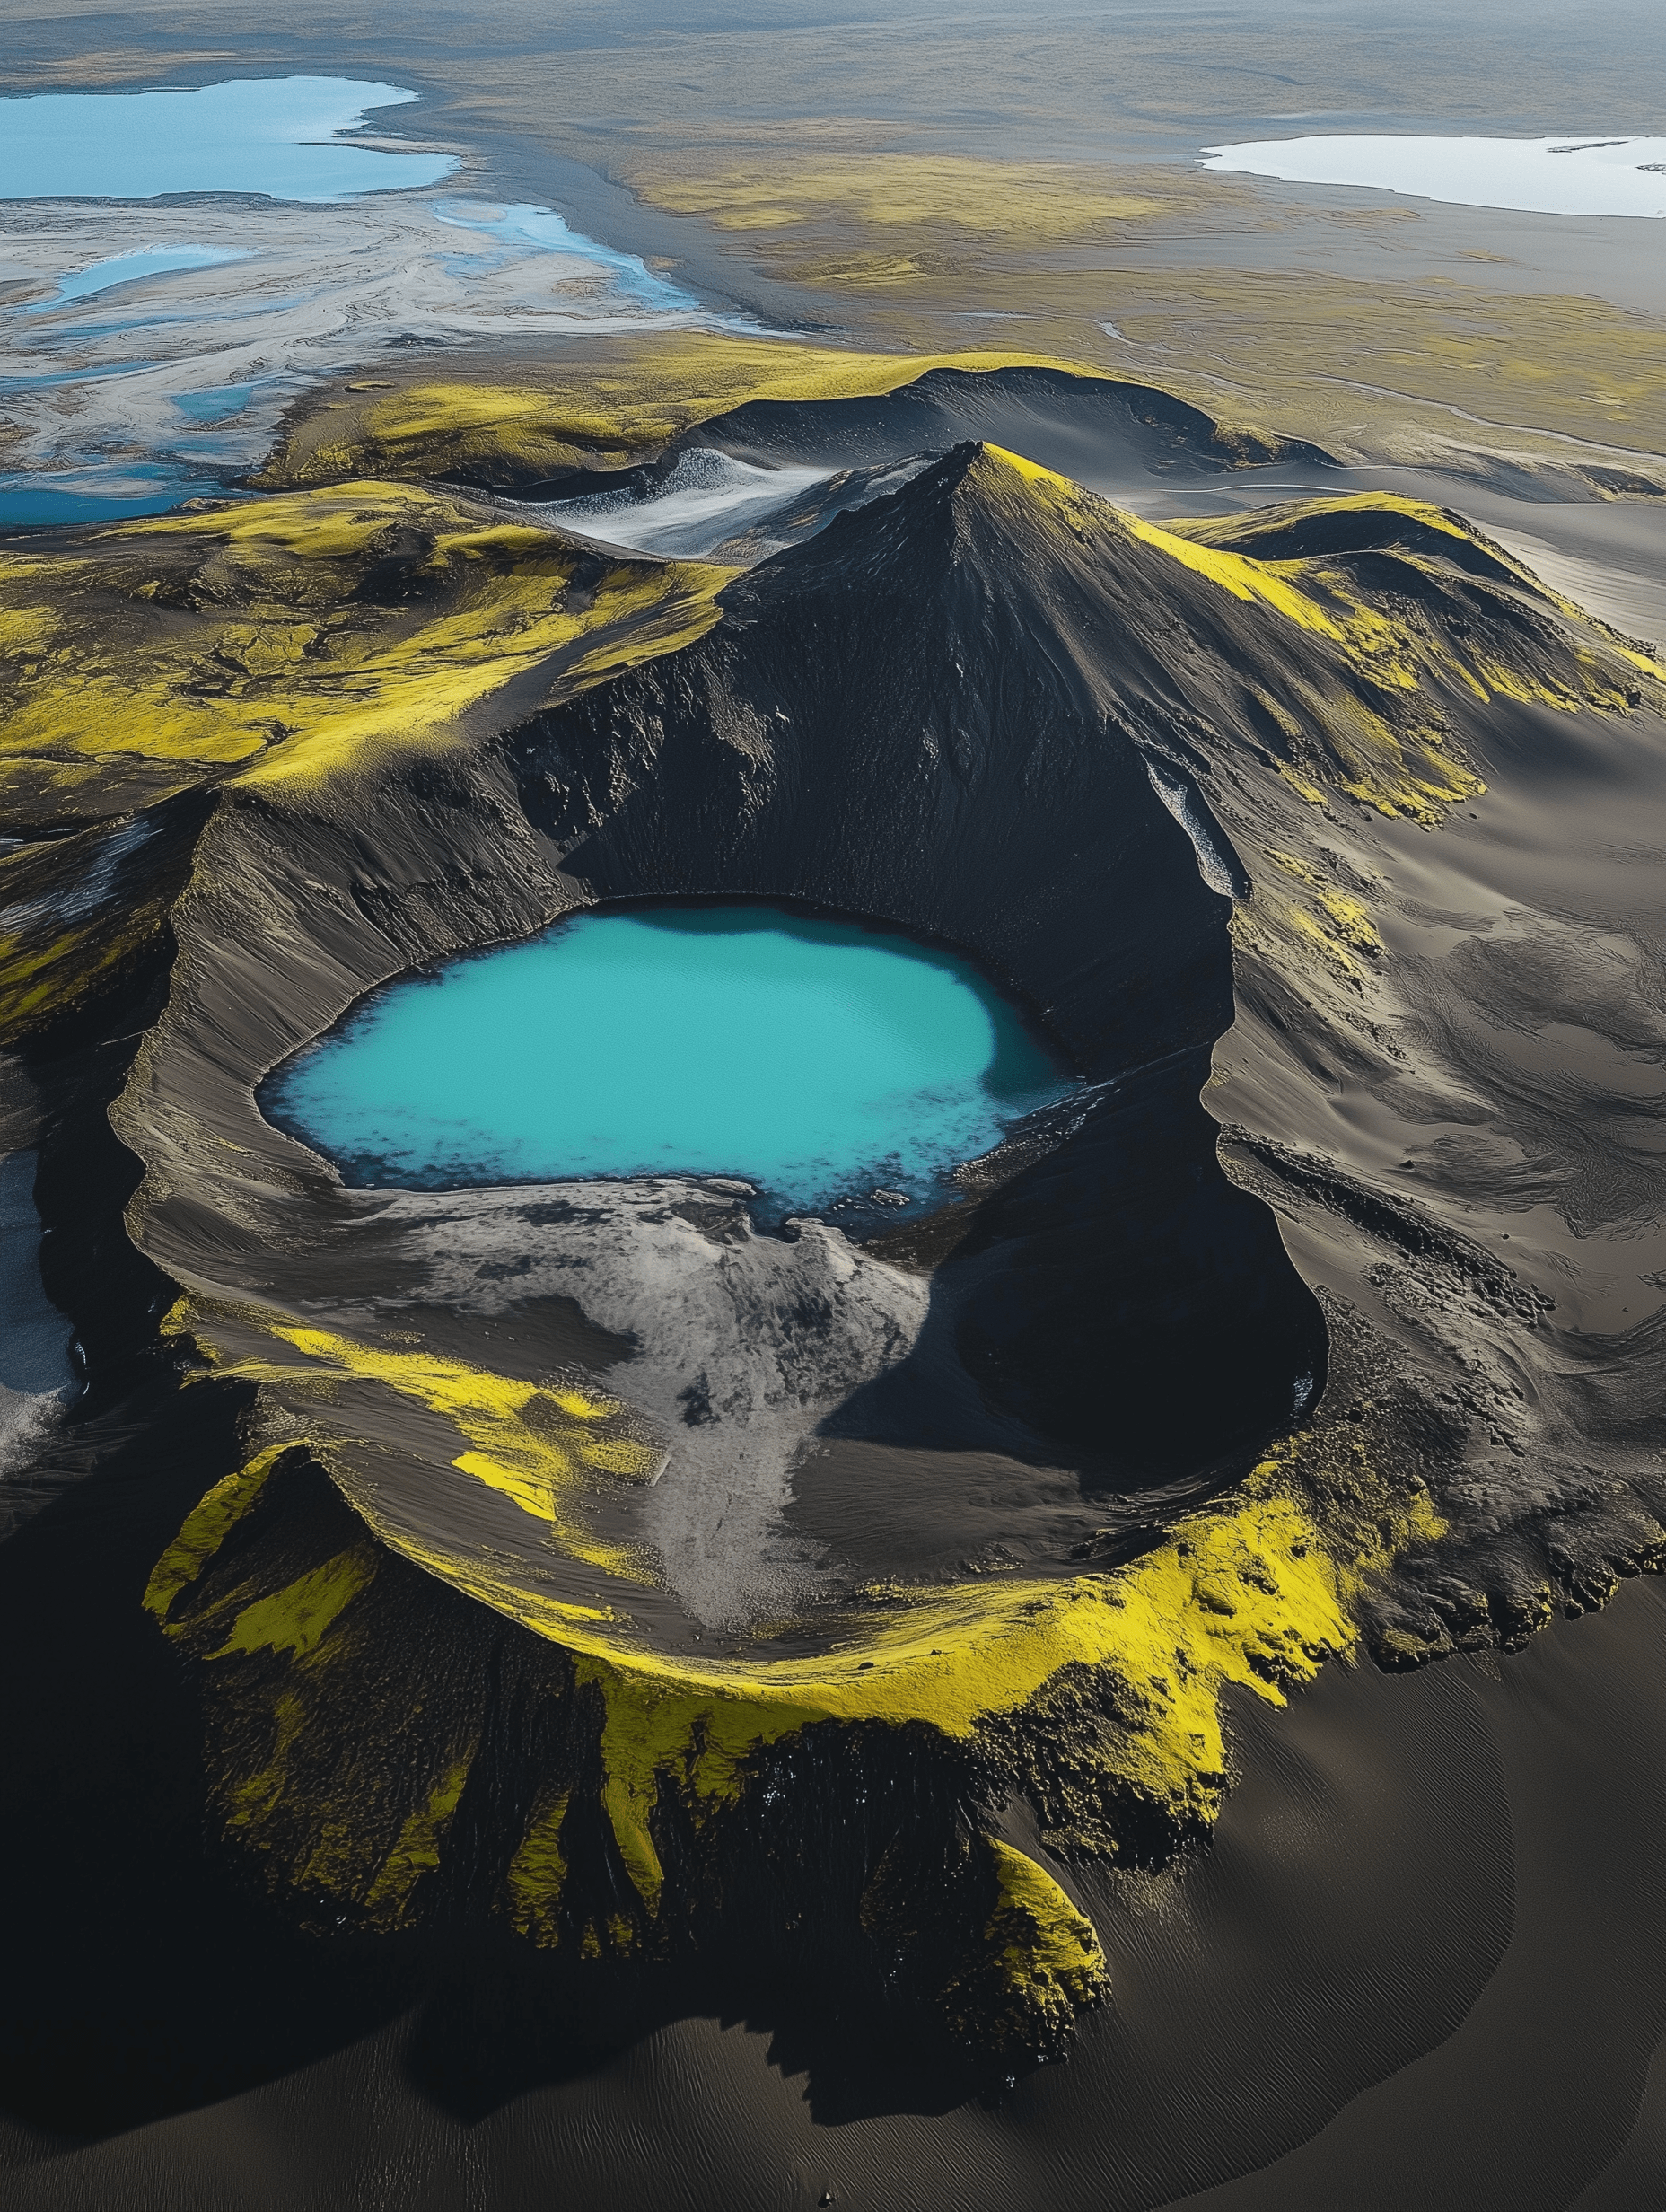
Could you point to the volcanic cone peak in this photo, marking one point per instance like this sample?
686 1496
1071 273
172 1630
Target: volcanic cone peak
928 714
1344 643
990 531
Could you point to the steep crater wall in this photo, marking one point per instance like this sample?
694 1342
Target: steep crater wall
895 727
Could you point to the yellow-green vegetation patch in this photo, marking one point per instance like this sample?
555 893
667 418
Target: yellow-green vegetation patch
279 1664
44 978
544 1448
1335 922
1378 731
1253 1592
298 1617
1372 371
538 1873
287 638
1261 529
1042 1961
1024 203
1408 763
206 1527
1245 579
1255 1589
417 1851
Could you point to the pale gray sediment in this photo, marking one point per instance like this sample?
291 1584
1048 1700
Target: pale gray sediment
743 1344
97 384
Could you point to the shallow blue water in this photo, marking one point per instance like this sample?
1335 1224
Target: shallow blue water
540 229
268 135
136 488
308 299
815 1059
126 268
213 405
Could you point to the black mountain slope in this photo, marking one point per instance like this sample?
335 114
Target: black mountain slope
1102 431
939 713
924 716
1075 423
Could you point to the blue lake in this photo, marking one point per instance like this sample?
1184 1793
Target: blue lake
271 134
816 1059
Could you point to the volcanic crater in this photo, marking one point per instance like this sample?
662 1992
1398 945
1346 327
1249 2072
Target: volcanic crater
594 1563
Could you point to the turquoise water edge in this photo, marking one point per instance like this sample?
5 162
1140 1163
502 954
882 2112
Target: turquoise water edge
815 1059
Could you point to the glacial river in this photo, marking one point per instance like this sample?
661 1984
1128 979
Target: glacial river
150 342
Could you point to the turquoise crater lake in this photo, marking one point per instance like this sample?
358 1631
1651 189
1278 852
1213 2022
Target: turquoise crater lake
815 1059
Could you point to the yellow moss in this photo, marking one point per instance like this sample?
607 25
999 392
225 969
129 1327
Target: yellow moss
1397 773
541 1462
626 1806
296 1618
1349 917
283 664
1395 655
612 409
1352 920
246 1801
1245 579
1018 201
1300 785
1312 932
1251 1590
1046 1949
417 1850
583 1406
1245 1592
1373 753
538 1873
206 1527
1379 1539
619 1456
1248 580
38 979
1245 527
